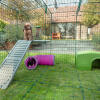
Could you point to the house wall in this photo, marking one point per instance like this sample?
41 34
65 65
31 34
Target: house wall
82 32
78 32
95 29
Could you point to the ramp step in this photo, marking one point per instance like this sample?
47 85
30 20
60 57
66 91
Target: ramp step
9 64
17 54
13 58
11 61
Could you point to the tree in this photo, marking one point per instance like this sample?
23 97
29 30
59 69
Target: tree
21 9
91 15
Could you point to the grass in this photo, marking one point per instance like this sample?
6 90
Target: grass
3 54
59 82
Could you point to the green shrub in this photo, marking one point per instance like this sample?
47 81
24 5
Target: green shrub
14 32
2 33
2 25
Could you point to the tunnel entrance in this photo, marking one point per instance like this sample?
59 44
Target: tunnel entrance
31 62
96 64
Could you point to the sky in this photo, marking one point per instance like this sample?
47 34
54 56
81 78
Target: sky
51 3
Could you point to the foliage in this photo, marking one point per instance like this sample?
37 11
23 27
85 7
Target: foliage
2 25
27 11
21 9
13 32
91 14
2 33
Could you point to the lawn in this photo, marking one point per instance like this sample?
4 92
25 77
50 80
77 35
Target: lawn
59 82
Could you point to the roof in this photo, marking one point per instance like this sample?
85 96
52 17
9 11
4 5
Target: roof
65 14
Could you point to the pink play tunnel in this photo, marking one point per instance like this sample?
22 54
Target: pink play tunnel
33 61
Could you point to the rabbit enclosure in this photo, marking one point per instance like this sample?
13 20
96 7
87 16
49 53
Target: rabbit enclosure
63 28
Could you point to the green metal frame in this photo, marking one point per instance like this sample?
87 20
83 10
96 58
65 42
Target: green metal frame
78 9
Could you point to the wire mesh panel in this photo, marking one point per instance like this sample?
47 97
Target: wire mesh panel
5 21
88 20
63 28
14 15
63 31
